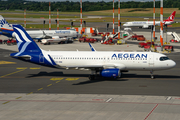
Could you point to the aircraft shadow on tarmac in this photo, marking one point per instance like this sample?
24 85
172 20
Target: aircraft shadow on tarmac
99 80
56 74
125 77
149 76
60 74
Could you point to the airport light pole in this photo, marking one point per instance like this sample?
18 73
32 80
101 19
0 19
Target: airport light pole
57 19
166 32
44 22
113 17
25 18
107 27
152 28
161 29
49 15
81 14
154 22
119 27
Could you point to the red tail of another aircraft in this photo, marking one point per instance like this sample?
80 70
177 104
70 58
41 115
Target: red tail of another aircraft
171 17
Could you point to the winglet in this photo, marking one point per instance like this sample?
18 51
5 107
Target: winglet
92 48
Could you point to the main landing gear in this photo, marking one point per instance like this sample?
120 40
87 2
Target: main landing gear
152 76
93 75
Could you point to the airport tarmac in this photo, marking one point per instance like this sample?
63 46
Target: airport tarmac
29 91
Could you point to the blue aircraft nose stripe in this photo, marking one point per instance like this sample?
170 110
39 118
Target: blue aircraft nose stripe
52 60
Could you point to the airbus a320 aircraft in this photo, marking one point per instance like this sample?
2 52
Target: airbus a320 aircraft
148 24
107 64
7 30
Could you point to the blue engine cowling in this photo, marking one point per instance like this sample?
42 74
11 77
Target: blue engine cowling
110 73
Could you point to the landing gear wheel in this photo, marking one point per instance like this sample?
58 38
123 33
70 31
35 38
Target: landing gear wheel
92 77
152 76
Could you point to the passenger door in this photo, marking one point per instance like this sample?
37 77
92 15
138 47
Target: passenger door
151 60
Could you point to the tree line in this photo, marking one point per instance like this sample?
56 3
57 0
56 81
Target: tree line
68 6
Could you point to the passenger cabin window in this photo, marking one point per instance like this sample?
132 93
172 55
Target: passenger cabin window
163 58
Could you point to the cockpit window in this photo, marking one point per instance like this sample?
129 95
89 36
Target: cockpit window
163 58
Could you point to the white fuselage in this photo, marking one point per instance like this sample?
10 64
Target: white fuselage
121 60
144 24
56 40
60 33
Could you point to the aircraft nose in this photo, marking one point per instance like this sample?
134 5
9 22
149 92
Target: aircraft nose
172 64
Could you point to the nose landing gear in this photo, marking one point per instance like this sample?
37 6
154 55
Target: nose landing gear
152 76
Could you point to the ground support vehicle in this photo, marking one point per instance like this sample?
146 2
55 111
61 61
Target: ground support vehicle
90 40
109 41
147 48
169 48
11 42
119 42
172 40
134 37
141 38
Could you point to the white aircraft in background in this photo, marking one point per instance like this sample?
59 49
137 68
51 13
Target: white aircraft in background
7 30
148 24
107 64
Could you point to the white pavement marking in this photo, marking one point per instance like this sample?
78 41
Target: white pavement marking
168 98
109 100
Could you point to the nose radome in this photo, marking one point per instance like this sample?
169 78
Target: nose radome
173 64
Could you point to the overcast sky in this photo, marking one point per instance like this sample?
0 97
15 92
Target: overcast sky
89 0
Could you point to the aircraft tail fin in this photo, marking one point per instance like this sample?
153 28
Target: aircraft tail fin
24 41
29 50
6 29
171 17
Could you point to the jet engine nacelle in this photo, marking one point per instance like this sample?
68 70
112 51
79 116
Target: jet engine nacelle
111 73
55 37
145 26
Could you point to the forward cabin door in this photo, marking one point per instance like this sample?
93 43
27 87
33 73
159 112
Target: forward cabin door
151 60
